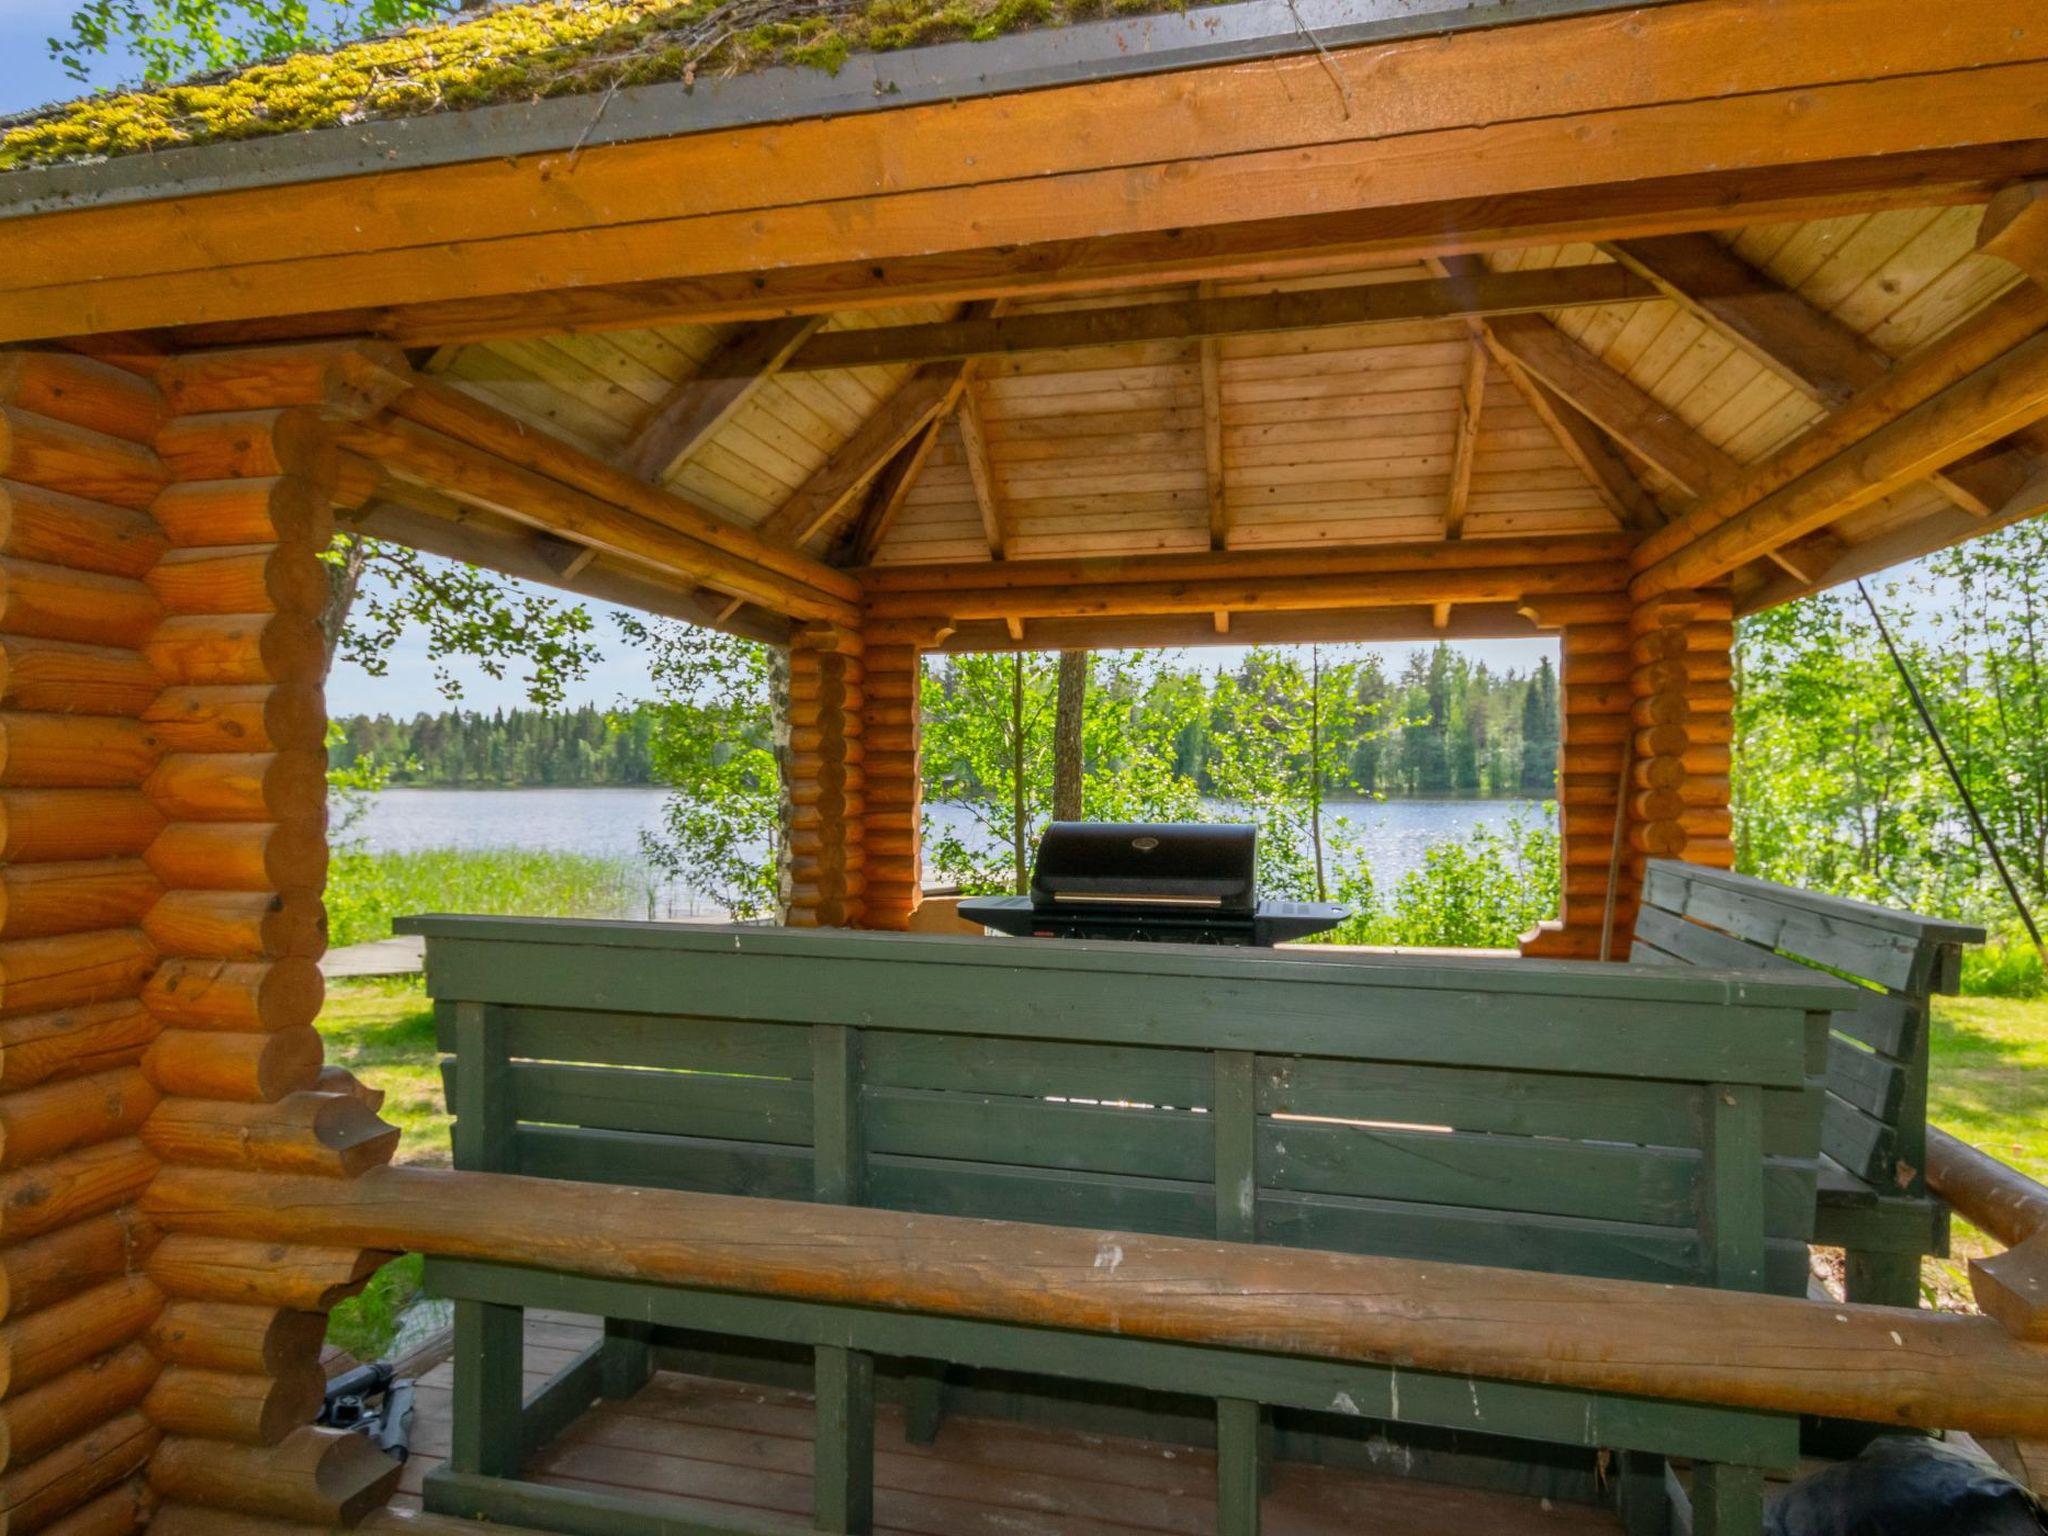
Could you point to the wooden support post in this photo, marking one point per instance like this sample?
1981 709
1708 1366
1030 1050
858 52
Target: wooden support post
1728 1500
891 742
490 1350
844 1449
1239 1431
824 877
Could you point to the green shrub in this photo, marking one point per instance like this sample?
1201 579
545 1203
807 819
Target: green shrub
365 891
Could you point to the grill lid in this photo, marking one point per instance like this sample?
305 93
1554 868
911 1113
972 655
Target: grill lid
1095 864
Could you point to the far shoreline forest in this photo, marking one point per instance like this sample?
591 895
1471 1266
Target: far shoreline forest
1459 730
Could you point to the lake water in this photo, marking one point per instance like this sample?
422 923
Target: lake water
1394 833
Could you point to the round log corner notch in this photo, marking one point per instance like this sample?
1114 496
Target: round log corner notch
162 826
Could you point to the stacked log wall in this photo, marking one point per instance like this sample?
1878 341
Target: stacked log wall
1643 757
824 875
78 476
891 735
239 790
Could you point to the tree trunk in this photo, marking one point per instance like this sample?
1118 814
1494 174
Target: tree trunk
1315 767
344 578
1020 861
1066 736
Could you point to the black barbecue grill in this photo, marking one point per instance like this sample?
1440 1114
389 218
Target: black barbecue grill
1158 884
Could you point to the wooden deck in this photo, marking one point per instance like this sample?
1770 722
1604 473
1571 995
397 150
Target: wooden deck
738 1453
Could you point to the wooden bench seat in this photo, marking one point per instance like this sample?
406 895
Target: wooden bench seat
1610 1120
1873 1199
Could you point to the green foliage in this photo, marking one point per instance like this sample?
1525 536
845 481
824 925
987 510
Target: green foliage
585 746
988 730
171 37
713 742
1837 786
463 612
1482 893
368 1323
366 891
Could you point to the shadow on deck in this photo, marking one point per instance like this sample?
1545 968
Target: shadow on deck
733 1452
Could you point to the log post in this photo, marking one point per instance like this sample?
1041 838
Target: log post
1643 755
824 779
238 791
891 733
78 476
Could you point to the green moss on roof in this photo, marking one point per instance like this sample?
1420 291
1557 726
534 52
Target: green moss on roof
519 53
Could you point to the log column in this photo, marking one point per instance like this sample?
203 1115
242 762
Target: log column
77 478
895 785
823 873
240 791
1593 734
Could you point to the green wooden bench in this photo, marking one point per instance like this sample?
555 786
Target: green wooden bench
1873 1190
1606 1120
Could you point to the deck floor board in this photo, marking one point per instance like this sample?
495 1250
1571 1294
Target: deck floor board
730 1450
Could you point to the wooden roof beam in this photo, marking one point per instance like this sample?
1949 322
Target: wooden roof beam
1215 479
1471 401
933 391
974 446
1067 330
409 451
2015 228
1781 330
698 406
1800 341
886 496
1928 413
1336 626
442 526
1636 420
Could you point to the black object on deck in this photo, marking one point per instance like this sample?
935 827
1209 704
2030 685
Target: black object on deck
1179 884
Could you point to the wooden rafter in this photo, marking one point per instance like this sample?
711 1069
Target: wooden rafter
1639 422
699 405
1777 327
1471 401
1209 360
1588 447
424 520
1803 343
886 495
931 392
974 447
1067 330
2015 228
1985 380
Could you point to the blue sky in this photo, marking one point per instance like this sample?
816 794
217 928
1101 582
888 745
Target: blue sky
29 77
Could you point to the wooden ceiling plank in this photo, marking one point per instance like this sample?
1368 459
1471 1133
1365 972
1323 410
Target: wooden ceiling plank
1068 330
699 405
1471 402
1214 469
1891 452
1587 447
1633 418
1964 369
930 392
886 496
1808 346
1827 359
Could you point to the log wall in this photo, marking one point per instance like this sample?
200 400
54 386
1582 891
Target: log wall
891 734
1647 701
163 796
824 873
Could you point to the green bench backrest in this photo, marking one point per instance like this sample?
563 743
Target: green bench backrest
1875 1118
1604 1120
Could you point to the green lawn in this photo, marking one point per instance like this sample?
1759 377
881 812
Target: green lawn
1988 1085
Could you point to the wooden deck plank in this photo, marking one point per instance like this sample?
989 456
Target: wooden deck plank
735 1451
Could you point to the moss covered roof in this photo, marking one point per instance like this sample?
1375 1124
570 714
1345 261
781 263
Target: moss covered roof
519 52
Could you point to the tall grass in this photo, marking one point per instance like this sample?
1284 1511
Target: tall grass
365 891
2008 966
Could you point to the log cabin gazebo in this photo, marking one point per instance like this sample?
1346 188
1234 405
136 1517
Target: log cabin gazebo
1258 323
